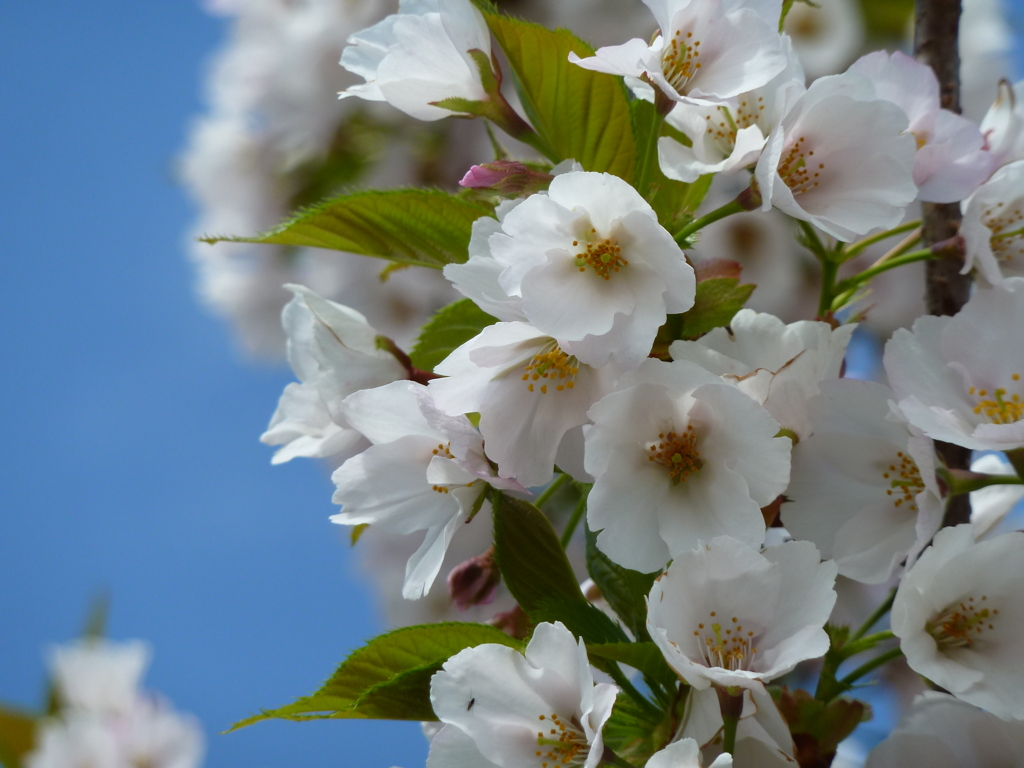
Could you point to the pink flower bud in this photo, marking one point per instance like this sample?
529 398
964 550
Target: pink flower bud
475 581
508 177
514 623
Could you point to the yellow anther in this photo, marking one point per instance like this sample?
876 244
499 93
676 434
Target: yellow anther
677 453
962 624
604 257
999 408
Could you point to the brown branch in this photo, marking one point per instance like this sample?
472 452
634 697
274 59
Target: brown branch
936 30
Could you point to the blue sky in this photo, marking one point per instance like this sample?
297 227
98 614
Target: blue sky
130 462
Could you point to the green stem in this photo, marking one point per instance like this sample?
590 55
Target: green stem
875 616
829 269
710 218
851 251
729 725
843 299
925 254
914 238
574 521
1013 233
649 150
812 242
869 667
623 682
961 481
730 701
500 113
550 491
867 642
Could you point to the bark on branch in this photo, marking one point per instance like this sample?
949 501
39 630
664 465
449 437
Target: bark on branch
936 30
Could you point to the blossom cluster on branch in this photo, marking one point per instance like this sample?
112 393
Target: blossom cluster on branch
100 717
713 464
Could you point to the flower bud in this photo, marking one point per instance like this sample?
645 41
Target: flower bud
507 177
514 623
475 581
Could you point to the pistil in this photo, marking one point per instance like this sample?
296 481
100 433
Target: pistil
677 453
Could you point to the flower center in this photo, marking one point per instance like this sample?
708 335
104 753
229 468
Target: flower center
906 482
996 406
563 744
730 123
444 451
553 365
1007 227
798 170
961 624
677 453
727 647
679 60
604 257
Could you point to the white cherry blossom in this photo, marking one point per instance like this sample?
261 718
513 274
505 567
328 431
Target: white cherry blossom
939 731
485 375
99 676
960 379
424 471
762 734
149 735
592 267
106 720
729 137
993 226
950 162
728 615
959 613
79 740
501 707
707 50
680 457
479 278
685 753
1003 125
158 737
841 159
863 486
333 352
780 366
529 394
990 505
419 56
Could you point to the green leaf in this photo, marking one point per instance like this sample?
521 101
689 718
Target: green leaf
577 113
646 657
673 201
17 736
817 727
530 556
625 590
581 618
406 697
632 733
449 329
389 677
417 227
717 302
887 18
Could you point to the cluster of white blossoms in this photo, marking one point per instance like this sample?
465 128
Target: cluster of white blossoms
103 719
592 355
